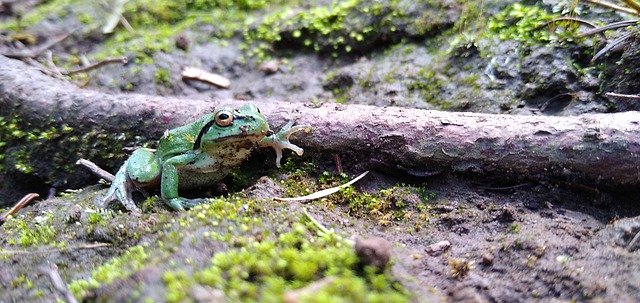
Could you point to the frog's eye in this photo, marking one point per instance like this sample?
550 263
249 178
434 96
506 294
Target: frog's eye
224 118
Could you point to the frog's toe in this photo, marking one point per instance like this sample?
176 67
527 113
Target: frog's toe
190 203
288 132
120 193
176 204
180 204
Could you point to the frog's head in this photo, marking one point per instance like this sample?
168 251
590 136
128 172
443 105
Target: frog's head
242 125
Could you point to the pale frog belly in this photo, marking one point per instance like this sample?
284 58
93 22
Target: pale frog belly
207 170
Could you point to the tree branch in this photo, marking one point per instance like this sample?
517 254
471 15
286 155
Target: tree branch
597 149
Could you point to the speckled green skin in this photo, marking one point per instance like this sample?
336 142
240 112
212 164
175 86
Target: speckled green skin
197 154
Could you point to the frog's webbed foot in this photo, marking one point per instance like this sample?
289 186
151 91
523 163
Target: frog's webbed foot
180 204
280 140
121 189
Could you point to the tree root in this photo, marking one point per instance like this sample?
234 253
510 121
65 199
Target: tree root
594 149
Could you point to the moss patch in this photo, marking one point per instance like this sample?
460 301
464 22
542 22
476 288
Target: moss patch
129 262
31 232
263 270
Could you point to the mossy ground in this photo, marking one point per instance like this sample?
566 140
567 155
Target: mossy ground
252 250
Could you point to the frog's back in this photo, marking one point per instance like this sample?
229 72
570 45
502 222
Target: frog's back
181 139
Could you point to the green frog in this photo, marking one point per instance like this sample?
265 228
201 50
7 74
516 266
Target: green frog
198 154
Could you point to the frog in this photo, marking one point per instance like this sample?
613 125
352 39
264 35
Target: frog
198 154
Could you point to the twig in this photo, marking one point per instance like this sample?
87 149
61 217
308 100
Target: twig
611 45
95 169
506 188
87 68
115 18
52 65
614 25
49 251
18 206
321 193
613 6
58 283
35 52
574 19
617 95
338 163
633 241
632 4
554 98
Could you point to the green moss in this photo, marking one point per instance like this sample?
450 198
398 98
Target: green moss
22 281
157 22
129 262
33 232
514 228
429 85
178 285
386 205
39 13
336 28
162 77
523 23
264 271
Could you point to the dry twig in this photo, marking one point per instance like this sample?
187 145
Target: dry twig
37 51
632 4
96 170
322 193
613 6
50 251
53 67
58 283
18 206
617 95
93 66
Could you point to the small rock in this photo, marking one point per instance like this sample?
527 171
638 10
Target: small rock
270 67
437 249
508 214
374 251
183 42
487 259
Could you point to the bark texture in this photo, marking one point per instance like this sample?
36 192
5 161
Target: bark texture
597 149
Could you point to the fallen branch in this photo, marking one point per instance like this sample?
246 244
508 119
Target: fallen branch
96 170
322 193
625 96
613 6
18 206
595 149
36 51
58 283
122 60
6 252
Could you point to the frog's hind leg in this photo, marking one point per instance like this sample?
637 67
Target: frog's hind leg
144 169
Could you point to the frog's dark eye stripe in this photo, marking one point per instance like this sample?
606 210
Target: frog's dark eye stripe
204 130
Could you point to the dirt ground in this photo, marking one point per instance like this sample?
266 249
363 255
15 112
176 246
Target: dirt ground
505 241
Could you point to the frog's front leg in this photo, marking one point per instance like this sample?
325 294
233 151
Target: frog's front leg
170 182
280 140
141 170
